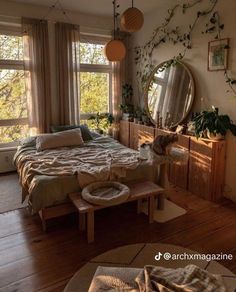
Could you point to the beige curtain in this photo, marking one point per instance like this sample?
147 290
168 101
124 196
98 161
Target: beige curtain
37 70
67 62
121 75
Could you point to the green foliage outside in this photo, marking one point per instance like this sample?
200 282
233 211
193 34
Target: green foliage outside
11 47
12 88
94 86
94 92
92 54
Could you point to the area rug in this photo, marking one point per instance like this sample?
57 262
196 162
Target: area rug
169 212
139 255
10 193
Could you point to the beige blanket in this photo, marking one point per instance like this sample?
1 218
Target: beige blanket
188 279
153 278
98 160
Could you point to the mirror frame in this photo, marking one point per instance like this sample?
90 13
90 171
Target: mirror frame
147 89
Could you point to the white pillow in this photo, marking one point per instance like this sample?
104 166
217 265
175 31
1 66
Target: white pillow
60 139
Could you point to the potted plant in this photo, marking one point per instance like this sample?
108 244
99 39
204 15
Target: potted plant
145 118
109 121
96 121
126 106
213 125
137 115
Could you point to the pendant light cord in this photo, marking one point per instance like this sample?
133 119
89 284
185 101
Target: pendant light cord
114 15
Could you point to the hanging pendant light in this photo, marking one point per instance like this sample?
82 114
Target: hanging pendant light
115 49
132 19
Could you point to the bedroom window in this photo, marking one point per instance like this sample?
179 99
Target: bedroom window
13 104
95 78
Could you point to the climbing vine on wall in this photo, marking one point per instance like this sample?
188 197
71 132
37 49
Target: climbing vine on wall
163 34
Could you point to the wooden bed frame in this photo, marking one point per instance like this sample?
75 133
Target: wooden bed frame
55 211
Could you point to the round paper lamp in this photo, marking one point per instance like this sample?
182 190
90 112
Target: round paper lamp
115 50
132 20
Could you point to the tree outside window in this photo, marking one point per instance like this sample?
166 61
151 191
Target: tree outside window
13 103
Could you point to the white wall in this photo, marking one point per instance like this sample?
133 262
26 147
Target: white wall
12 12
210 86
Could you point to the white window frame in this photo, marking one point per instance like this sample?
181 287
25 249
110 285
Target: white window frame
97 68
12 65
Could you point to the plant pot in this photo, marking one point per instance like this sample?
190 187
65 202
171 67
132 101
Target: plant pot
215 136
125 116
136 120
144 119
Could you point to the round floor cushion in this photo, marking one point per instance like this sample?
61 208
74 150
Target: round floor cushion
106 193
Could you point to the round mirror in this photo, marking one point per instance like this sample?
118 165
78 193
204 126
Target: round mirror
169 95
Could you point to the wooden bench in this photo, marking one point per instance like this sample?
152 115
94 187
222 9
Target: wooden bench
138 192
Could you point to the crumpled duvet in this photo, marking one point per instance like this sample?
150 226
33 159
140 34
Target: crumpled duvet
99 160
188 279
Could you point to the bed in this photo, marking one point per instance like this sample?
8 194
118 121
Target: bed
47 177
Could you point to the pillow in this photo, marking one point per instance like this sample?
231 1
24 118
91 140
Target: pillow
95 135
86 134
60 139
28 142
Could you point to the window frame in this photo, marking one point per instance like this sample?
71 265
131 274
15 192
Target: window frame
11 65
97 68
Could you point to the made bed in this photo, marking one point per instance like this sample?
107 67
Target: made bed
48 176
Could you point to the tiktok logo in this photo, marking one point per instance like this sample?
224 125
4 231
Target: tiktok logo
158 256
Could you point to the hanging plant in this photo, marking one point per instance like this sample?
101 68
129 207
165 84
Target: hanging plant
163 34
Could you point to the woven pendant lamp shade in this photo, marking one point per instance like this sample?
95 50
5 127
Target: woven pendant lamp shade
132 20
115 50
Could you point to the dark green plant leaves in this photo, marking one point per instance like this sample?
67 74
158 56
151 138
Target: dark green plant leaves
213 122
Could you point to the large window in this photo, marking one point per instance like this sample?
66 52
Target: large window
95 78
13 104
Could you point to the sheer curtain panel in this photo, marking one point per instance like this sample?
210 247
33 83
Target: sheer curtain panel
37 71
67 62
121 75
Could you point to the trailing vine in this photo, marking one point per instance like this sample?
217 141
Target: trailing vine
163 34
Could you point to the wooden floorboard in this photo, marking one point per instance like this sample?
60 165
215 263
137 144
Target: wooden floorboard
31 260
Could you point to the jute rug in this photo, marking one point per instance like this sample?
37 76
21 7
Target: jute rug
10 193
139 255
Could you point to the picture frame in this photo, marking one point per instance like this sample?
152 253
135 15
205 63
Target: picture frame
218 55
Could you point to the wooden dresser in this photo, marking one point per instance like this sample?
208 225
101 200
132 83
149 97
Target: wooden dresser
207 168
205 172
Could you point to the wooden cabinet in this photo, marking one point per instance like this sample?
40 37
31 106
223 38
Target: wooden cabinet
134 130
203 175
207 168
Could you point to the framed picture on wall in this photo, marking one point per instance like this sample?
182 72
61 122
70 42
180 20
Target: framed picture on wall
218 55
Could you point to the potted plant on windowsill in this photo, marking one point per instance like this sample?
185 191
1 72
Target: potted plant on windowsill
96 121
110 120
213 125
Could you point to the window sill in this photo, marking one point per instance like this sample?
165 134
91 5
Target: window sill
8 148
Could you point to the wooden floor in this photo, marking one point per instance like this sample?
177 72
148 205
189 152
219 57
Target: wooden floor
31 260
